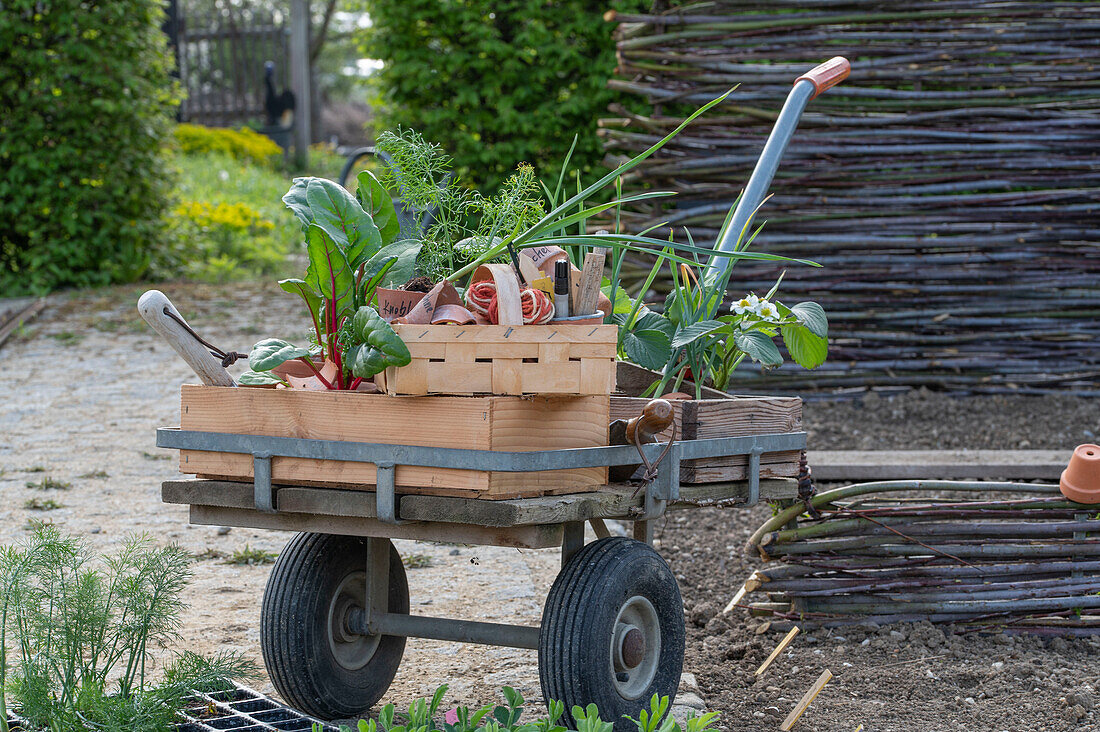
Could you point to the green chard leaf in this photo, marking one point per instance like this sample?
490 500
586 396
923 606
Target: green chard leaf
344 220
376 201
372 346
258 378
329 272
404 253
301 289
295 200
272 352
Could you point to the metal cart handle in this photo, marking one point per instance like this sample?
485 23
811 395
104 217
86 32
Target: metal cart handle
827 75
806 87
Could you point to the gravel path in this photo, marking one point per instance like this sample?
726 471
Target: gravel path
85 385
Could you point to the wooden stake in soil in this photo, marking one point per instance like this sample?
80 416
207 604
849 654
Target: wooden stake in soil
736 598
806 700
778 649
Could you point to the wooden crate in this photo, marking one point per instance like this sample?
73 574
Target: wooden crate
501 359
502 423
737 416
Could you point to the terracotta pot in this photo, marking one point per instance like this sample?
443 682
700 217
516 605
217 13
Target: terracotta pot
296 368
397 303
1081 480
310 380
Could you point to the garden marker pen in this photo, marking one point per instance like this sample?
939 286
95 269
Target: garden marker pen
561 289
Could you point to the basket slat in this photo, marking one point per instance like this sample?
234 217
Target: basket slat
498 359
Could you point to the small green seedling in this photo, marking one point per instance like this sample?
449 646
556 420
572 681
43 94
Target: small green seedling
49 484
39 504
251 557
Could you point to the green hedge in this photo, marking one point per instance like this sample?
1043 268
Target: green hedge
497 82
85 104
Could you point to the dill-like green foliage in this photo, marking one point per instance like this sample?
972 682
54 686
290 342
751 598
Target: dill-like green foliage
75 634
462 224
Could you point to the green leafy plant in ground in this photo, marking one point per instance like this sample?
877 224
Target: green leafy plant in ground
40 504
49 484
422 716
76 633
227 221
251 557
416 561
85 108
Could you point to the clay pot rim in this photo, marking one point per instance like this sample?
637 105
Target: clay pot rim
1080 481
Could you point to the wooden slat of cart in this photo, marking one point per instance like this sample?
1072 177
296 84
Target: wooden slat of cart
613 502
483 423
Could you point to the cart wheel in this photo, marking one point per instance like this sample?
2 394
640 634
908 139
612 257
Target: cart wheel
612 630
315 662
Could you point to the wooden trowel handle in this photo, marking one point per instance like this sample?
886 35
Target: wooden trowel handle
654 419
154 307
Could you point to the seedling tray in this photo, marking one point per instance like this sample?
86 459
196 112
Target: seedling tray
244 710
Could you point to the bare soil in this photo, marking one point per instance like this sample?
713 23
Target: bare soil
85 385
898 678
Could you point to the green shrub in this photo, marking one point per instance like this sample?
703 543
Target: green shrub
85 105
244 144
497 82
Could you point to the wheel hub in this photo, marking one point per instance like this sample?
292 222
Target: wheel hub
632 648
350 649
635 647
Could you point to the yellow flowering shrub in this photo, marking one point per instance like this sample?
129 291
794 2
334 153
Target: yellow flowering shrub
234 216
226 241
243 144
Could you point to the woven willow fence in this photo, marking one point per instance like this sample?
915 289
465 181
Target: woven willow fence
949 186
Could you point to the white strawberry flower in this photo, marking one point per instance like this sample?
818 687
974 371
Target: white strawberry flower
766 311
747 304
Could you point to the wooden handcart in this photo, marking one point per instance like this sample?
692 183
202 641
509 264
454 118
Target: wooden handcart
335 613
336 608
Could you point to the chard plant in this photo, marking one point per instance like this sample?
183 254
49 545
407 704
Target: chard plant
353 248
76 633
422 717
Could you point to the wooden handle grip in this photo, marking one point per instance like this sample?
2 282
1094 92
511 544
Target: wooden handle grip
654 419
827 75
152 307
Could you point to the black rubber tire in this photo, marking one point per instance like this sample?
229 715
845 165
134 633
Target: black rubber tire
578 626
294 627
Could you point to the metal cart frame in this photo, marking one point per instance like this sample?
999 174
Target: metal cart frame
380 518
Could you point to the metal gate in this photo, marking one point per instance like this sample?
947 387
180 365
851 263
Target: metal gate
221 47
